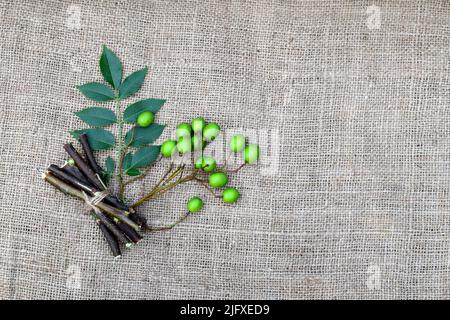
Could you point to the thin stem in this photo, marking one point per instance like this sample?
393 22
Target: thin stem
163 189
170 226
119 149
237 169
205 185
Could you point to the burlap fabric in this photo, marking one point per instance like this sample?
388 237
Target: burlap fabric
354 96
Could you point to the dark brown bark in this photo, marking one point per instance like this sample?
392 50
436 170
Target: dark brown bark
110 210
74 181
140 220
129 232
83 166
90 155
113 228
110 239
74 171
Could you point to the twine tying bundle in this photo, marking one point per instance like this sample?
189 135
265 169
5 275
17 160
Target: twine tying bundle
98 197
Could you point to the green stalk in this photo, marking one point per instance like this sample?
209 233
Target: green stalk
119 146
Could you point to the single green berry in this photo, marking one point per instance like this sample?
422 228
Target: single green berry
184 144
211 131
195 204
71 162
168 148
217 179
209 164
198 163
145 119
198 143
198 124
230 195
237 143
251 153
183 129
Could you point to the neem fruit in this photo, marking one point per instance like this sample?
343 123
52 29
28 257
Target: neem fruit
195 204
251 153
230 195
168 148
145 119
217 179
183 129
198 124
211 131
237 143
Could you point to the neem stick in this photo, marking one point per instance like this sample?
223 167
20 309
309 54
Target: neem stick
89 154
74 181
109 237
74 171
113 229
83 166
129 232
112 211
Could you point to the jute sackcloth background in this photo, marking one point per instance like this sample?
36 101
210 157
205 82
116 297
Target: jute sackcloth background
354 95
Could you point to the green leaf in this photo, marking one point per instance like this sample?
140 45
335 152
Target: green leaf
133 172
132 83
134 110
99 139
139 136
111 67
145 156
126 164
96 91
110 165
127 168
97 117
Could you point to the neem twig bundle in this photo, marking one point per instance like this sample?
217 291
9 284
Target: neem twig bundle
82 177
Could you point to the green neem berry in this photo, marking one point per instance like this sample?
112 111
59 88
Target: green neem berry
230 195
184 144
197 143
195 204
168 148
217 179
211 131
183 129
198 163
208 164
145 119
237 143
71 162
251 153
198 124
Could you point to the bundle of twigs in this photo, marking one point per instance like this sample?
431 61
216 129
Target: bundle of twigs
82 177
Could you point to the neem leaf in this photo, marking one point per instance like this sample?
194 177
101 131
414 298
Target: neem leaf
127 165
99 139
109 172
145 156
110 165
96 91
139 136
97 117
133 172
127 161
132 83
134 110
111 67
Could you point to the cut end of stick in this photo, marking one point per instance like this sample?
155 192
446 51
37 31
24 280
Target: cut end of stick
128 245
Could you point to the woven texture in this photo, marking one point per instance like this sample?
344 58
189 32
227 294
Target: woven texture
354 95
